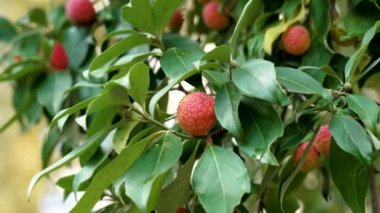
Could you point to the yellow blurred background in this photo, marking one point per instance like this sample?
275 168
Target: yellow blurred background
19 152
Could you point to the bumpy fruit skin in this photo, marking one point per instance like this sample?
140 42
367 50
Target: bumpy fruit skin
323 140
213 18
80 12
58 57
176 21
196 114
312 159
296 40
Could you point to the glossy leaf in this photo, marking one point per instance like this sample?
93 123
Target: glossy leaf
227 180
163 11
111 172
226 108
51 92
221 53
256 78
300 82
140 14
351 137
365 108
141 177
351 179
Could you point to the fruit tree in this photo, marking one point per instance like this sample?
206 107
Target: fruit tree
280 107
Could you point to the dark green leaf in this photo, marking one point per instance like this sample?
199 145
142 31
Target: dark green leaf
163 11
140 14
77 44
256 78
351 179
8 31
351 137
221 53
365 108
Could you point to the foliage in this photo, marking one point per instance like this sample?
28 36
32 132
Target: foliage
109 109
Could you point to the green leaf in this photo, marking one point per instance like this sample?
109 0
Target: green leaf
163 11
227 180
19 70
178 192
356 58
66 112
140 14
176 62
122 135
50 143
261 127
226 109
90 143
221 53
140 178
136 82
111 172
118 49
365 108
351 179
51 91
112 95
300 82
99 158
252 9
176 40
8 31
256 78
351 137
77 44
216 78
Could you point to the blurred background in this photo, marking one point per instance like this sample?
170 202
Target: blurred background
20 151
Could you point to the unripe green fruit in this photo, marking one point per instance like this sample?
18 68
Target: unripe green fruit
296 40
80 12
213 18
312 158
196 114
323 140
58 57
176 21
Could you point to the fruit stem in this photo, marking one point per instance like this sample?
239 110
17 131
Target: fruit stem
149 118
373 189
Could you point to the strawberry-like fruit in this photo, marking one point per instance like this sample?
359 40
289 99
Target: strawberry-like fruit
181 210
80 12
176 21
213 18
323 140
296 40
58 58
196 114
312 158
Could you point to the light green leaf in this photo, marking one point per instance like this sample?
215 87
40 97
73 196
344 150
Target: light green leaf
122 135
227 180
221 53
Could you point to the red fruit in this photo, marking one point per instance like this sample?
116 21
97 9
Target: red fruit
58 57
176 21
323 140
196 114
80 12
296 40
181 210
312 158
213 18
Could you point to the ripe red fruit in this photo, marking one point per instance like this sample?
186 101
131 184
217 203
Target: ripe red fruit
323 140
176 21
312 158
58 57
213 18
181 210
296 40
80 12
196 114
